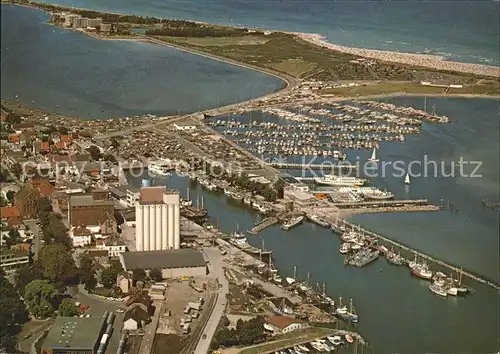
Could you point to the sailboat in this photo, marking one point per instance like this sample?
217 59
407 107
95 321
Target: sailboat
407 179
291 281
374 156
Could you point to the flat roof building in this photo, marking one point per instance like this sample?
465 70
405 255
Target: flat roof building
76 335
185 262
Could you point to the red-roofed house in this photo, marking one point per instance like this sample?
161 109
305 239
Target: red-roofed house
68 139
13 138
9 212
60 145
285 324
14 222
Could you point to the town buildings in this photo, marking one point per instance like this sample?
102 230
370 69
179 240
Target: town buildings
285 324
157 217
94 211
10 261
74 335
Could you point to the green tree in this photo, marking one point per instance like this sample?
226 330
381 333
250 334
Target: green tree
109 275
138 274
279 186
58 264
12 313
26 274
155 274
55 232
10 196
12 238
87 272
68 308
17 170
39 296
94 152
44 208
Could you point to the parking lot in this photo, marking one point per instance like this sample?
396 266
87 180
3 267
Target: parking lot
178 295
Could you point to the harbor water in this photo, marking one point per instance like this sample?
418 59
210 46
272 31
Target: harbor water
459 30
398 313
71 73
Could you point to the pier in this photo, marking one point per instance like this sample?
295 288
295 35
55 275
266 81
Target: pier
268 222
300 166
453 268
380 203
487 204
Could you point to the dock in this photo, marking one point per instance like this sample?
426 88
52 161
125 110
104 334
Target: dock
451 267
268 222
487 204
323 167
380 203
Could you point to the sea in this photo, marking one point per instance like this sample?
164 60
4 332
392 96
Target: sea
459 30
71 73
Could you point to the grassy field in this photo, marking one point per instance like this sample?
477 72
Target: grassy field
217 41
388 88
290 55
288 340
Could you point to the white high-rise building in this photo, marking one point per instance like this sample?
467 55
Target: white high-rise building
157 219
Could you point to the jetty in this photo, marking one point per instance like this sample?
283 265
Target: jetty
421 255
487 204
301 166
268 222
380 203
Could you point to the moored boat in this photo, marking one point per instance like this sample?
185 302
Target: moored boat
422 271
438 290
349 338
290 223
317 220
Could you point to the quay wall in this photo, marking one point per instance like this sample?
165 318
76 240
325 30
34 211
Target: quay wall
456 269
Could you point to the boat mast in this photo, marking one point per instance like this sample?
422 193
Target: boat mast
295 272
324 289
188 193
425 104
201 202
308 278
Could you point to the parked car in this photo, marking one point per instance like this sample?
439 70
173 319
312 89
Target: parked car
120 310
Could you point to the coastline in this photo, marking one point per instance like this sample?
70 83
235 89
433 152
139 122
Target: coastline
422 60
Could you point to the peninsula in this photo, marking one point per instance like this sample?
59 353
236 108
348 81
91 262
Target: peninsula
291 56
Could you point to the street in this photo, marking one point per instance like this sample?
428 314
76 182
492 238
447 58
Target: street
215 266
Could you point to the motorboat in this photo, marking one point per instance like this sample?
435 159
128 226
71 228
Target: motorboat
290 223
349 338
303 348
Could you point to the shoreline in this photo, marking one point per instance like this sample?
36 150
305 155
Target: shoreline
421 60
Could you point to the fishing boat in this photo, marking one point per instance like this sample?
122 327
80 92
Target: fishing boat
351 315
407 179
317 220
290 223
316 346
159 168
277 278
394 258
422 271
293 280
335 340
355 246
237 196
373 158
303 348
345 248
349 338
227 192
341 308
247 200
438 290
414 263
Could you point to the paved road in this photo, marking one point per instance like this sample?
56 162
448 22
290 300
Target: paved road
215 267
32 224
150 330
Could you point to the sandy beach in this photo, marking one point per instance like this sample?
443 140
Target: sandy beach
428 61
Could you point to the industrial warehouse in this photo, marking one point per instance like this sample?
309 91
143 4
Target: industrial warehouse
184 262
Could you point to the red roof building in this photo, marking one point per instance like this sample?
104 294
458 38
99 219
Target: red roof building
9 212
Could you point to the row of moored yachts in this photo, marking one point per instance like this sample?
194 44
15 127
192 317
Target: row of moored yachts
329 344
